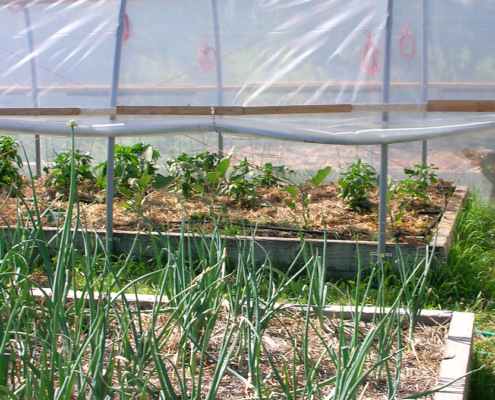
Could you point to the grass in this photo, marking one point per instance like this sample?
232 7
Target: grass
468 284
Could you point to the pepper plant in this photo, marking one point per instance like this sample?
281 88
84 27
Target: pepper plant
134 167
240 184
416 184
355 182
269 176
412 188
9 161
190 171
60 174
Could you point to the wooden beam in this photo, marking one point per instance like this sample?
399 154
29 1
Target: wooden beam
177 110
432 106
389 107
303 109
207 110
39 111
461 105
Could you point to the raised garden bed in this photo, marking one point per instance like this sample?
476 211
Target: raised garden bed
424 369
341 254
210 191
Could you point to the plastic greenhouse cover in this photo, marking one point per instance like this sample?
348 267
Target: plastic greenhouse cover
341 134
250 53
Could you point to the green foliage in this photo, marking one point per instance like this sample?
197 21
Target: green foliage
60 175
202 172
240 185
355 182
190 172
134 170
268 176
305 198
9 173
470 277
415 186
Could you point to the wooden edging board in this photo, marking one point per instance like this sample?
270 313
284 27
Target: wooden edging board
457 352
341 255
462 106
446 227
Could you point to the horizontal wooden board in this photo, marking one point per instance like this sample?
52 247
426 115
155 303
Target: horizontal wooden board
389 108
209 110
431 106
461 105
39 111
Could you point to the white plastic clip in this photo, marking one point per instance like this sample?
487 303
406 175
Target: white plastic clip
381 255
213 119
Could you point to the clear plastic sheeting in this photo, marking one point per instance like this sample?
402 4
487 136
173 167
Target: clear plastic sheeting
251 53
57 54
310 130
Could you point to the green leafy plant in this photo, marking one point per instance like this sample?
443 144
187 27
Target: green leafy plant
269 176
305 198
134 165
355 182
60 175
415 186
412 188
190 171
135 198
9 173
240 185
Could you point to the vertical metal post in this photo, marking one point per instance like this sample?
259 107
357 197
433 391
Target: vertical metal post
424 61
382 211
111 140
218 53
382 208
34 84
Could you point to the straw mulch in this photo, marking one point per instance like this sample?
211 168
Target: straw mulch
166 209
419 373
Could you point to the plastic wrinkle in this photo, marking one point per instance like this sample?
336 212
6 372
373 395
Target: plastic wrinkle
371 61
15 8
126 35
207 57
407 44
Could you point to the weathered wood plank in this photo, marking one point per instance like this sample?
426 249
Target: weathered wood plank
432 106
39 111
223 110
457 357
461 105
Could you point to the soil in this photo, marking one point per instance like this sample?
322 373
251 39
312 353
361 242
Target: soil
167 210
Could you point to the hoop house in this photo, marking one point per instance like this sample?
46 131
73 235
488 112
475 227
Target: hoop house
335 72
